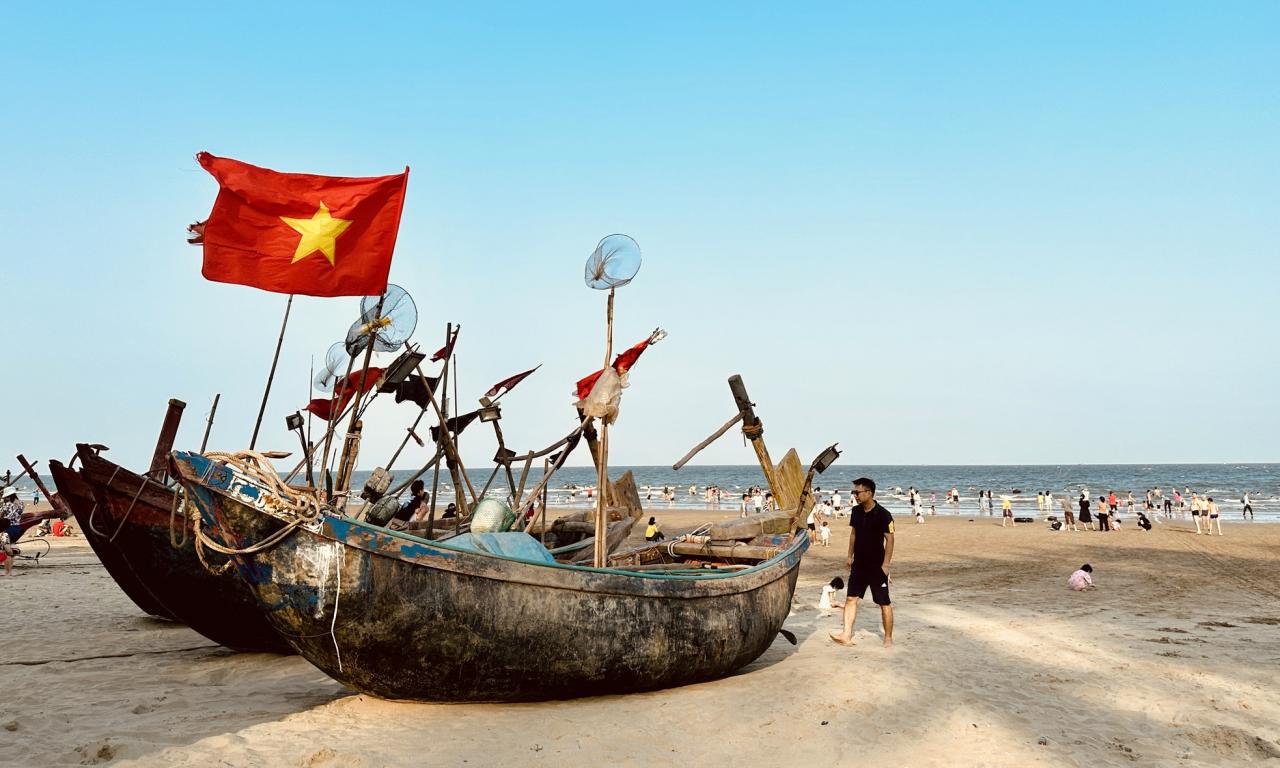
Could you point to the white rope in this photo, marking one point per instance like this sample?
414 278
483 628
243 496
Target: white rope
336 596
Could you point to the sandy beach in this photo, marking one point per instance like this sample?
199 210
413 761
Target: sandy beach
1171 661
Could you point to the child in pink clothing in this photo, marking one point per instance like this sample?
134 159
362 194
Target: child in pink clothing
1081 579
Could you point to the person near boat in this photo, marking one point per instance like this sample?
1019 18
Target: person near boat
652 533
827 604
412 509
870 551
10 514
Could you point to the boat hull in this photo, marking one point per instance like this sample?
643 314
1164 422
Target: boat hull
406 618
79 497
130 527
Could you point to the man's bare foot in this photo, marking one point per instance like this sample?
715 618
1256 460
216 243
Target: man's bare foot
839 638
888 642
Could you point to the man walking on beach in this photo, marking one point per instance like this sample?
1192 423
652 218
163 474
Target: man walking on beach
870 550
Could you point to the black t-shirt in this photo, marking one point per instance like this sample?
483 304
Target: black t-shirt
869 529
405 513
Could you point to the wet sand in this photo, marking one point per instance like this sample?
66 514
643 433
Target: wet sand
1171 661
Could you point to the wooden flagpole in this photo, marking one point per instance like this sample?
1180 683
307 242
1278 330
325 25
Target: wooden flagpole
253 441
602 520
208 426
350 445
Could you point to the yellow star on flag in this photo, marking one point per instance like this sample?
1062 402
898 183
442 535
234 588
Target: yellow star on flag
319 233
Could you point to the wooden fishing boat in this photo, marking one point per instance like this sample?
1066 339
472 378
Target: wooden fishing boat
482 617
79 497
130 521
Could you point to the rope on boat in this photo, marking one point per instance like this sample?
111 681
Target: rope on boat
257 467
179 501
94 510
129 511
200 538
260 469
333 624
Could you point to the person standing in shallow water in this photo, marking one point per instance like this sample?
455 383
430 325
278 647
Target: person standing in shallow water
870 550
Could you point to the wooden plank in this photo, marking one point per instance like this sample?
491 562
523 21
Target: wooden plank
626 497
168 431
752 526
730 551
617 533
790 476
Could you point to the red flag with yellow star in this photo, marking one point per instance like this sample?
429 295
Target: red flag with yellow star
300 233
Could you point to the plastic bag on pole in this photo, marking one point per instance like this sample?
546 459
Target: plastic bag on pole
605 396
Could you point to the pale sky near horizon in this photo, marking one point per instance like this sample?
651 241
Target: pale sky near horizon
935 233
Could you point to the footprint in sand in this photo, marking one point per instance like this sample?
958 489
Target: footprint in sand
97 752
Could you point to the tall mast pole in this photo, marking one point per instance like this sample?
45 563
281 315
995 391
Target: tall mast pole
253 441
602 521
350 443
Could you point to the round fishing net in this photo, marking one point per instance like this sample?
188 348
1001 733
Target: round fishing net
614 263
386 322
335 365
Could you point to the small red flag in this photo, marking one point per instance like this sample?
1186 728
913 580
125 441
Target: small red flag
622 363
329 408
300 233
447 349
510 382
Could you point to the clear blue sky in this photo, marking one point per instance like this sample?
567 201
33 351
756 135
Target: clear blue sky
951 233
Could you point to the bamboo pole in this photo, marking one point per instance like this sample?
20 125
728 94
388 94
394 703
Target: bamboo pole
442 415
208 425
541 486
451 461
333 420
253 441
753 429
347 464
602 523
457 456
502 446
542 532
714 436
518 493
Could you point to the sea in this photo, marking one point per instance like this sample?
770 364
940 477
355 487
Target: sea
1225 483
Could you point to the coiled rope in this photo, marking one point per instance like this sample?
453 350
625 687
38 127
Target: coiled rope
302 506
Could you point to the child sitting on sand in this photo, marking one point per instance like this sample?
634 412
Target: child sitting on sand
1081 579
827 602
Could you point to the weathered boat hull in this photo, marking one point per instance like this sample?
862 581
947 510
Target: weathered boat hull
79 497
406 618
129 528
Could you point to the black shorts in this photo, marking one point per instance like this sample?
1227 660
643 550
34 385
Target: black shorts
860 579
811 527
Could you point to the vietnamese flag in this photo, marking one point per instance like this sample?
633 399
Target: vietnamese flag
300 233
